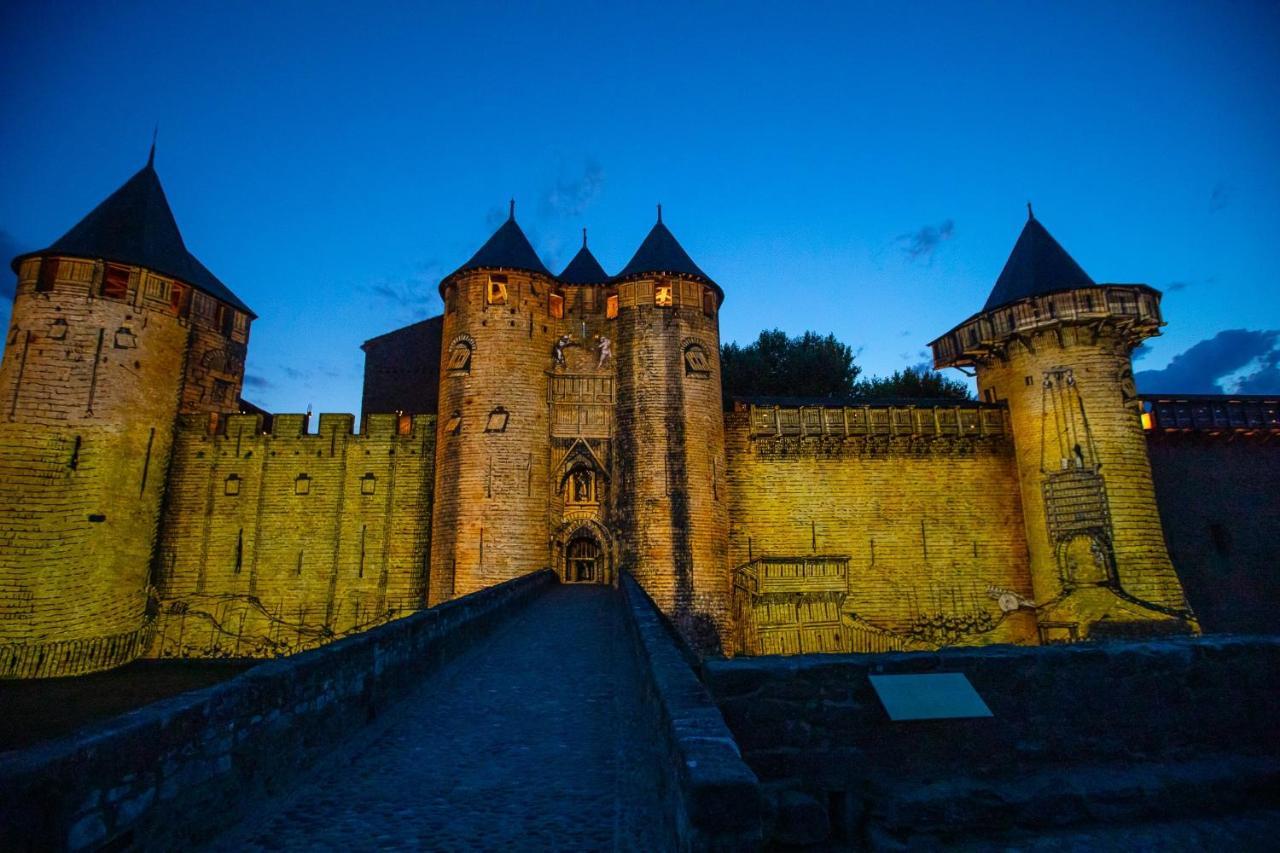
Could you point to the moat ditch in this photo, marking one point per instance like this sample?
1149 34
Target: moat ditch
40 710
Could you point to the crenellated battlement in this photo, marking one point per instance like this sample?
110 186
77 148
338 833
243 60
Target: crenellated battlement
286 426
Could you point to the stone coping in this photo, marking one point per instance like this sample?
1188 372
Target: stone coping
167 775
715 795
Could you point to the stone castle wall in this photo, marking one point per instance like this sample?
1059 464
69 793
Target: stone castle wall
1092 525
274 542
1220 510
921 505
89 388
672 510
493 452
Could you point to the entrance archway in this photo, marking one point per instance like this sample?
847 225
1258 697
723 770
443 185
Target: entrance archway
584 562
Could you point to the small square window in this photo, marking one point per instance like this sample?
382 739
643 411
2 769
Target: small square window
115 282
231 486
453 426
368 484
125 338
497 421
58 329
497 291
611 306
708 302
221 390
302 485
662 296
557 305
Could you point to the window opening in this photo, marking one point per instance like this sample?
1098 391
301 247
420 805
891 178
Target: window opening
115 282
497 291
48 275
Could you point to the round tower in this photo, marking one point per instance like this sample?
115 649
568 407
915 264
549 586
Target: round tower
116 328
1055 346
670 458
490 513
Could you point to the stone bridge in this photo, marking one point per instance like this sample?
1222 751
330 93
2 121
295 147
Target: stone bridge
527 716
535 715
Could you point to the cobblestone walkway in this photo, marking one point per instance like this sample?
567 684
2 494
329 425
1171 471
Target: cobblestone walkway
524 742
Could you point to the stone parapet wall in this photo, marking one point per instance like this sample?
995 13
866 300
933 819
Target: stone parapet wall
1077 731
709 794
165 777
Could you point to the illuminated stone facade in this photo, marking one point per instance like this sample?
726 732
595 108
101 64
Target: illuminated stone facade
578 425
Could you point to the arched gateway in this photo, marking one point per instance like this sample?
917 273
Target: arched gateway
583 552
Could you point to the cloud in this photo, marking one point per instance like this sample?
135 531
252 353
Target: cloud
1175 286
1140 352
1230 362
571 196
294 374
922 244
257 382
415 296
1220 197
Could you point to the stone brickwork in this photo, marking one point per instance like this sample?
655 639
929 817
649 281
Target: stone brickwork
90 384
493 463
1225 548
1075 428
708 793
1089 733
276 542
671 467
920 507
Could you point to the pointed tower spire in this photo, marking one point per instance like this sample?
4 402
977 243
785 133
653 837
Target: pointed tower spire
511 217
151 158
1037 265
659 213
134 225
584 268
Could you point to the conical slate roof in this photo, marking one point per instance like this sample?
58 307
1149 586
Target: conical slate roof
661 252
584 268
134 225
1037 265
507 248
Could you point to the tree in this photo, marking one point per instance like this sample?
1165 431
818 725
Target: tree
776 365
913 383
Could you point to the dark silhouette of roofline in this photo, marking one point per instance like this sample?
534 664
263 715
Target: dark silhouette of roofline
135 226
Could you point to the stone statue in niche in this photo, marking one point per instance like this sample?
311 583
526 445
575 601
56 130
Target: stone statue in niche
557 352
604 349
581 486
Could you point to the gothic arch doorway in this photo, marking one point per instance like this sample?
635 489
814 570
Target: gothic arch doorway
583 552
583 560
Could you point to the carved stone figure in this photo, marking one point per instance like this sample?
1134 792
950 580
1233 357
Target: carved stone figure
604 348
558 350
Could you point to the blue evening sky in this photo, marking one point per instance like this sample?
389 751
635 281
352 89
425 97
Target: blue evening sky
853 168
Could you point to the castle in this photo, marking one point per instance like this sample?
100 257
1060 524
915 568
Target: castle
570 420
